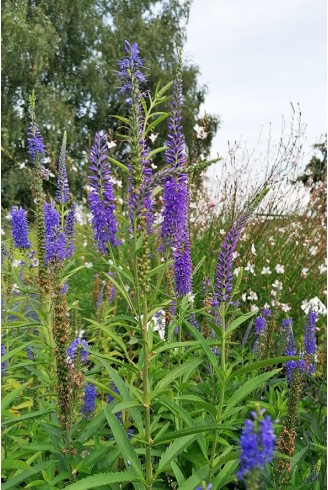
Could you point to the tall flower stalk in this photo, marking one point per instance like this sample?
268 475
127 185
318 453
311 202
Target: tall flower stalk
37 151
175 231
101 197
223 291
131 77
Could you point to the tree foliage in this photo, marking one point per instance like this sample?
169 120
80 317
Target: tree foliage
67 52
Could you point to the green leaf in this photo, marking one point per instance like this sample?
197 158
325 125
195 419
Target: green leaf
195 479
157 150
208 352
197 401
126 406
6 401
239 321
125 120
119 164
261 364
123 442
101 479
31 415
134 412
13 352
247 388
226 475
23 476
157 121
174 449
171 436
189 366
92 427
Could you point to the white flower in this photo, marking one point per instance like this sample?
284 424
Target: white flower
201 157
285 307
3 231
74 168
15 288
254 308
111 144
88 188
315 305
253 249
280 269
266 306
16 262
153 166
85 243
110 262
277 285
120 201
304 272
273 293
200 132
8 217
193 205
266 270
190 297
235 255
236 271
21 166
243 297
322 268
313 250
272 240
252 296
88 265
127 288
222 232
153 137
116 182
250 267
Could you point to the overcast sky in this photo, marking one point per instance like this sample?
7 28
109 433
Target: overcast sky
256 56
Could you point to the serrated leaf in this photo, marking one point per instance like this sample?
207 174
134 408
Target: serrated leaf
174 449
24 475
102 479
247 388
239 321
226 475
195 479
189 366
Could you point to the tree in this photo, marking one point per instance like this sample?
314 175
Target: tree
67 52
316 169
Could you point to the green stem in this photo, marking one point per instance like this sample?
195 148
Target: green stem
222 390
149 470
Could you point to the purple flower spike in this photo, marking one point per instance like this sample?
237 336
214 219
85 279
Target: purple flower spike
70 231
266 312
130 67
259 325
101 197
223 284
89 402
62 194
310 346
55 237
175 232
3 363
257 444
19 227
291 351
286 323
75 346
35 142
